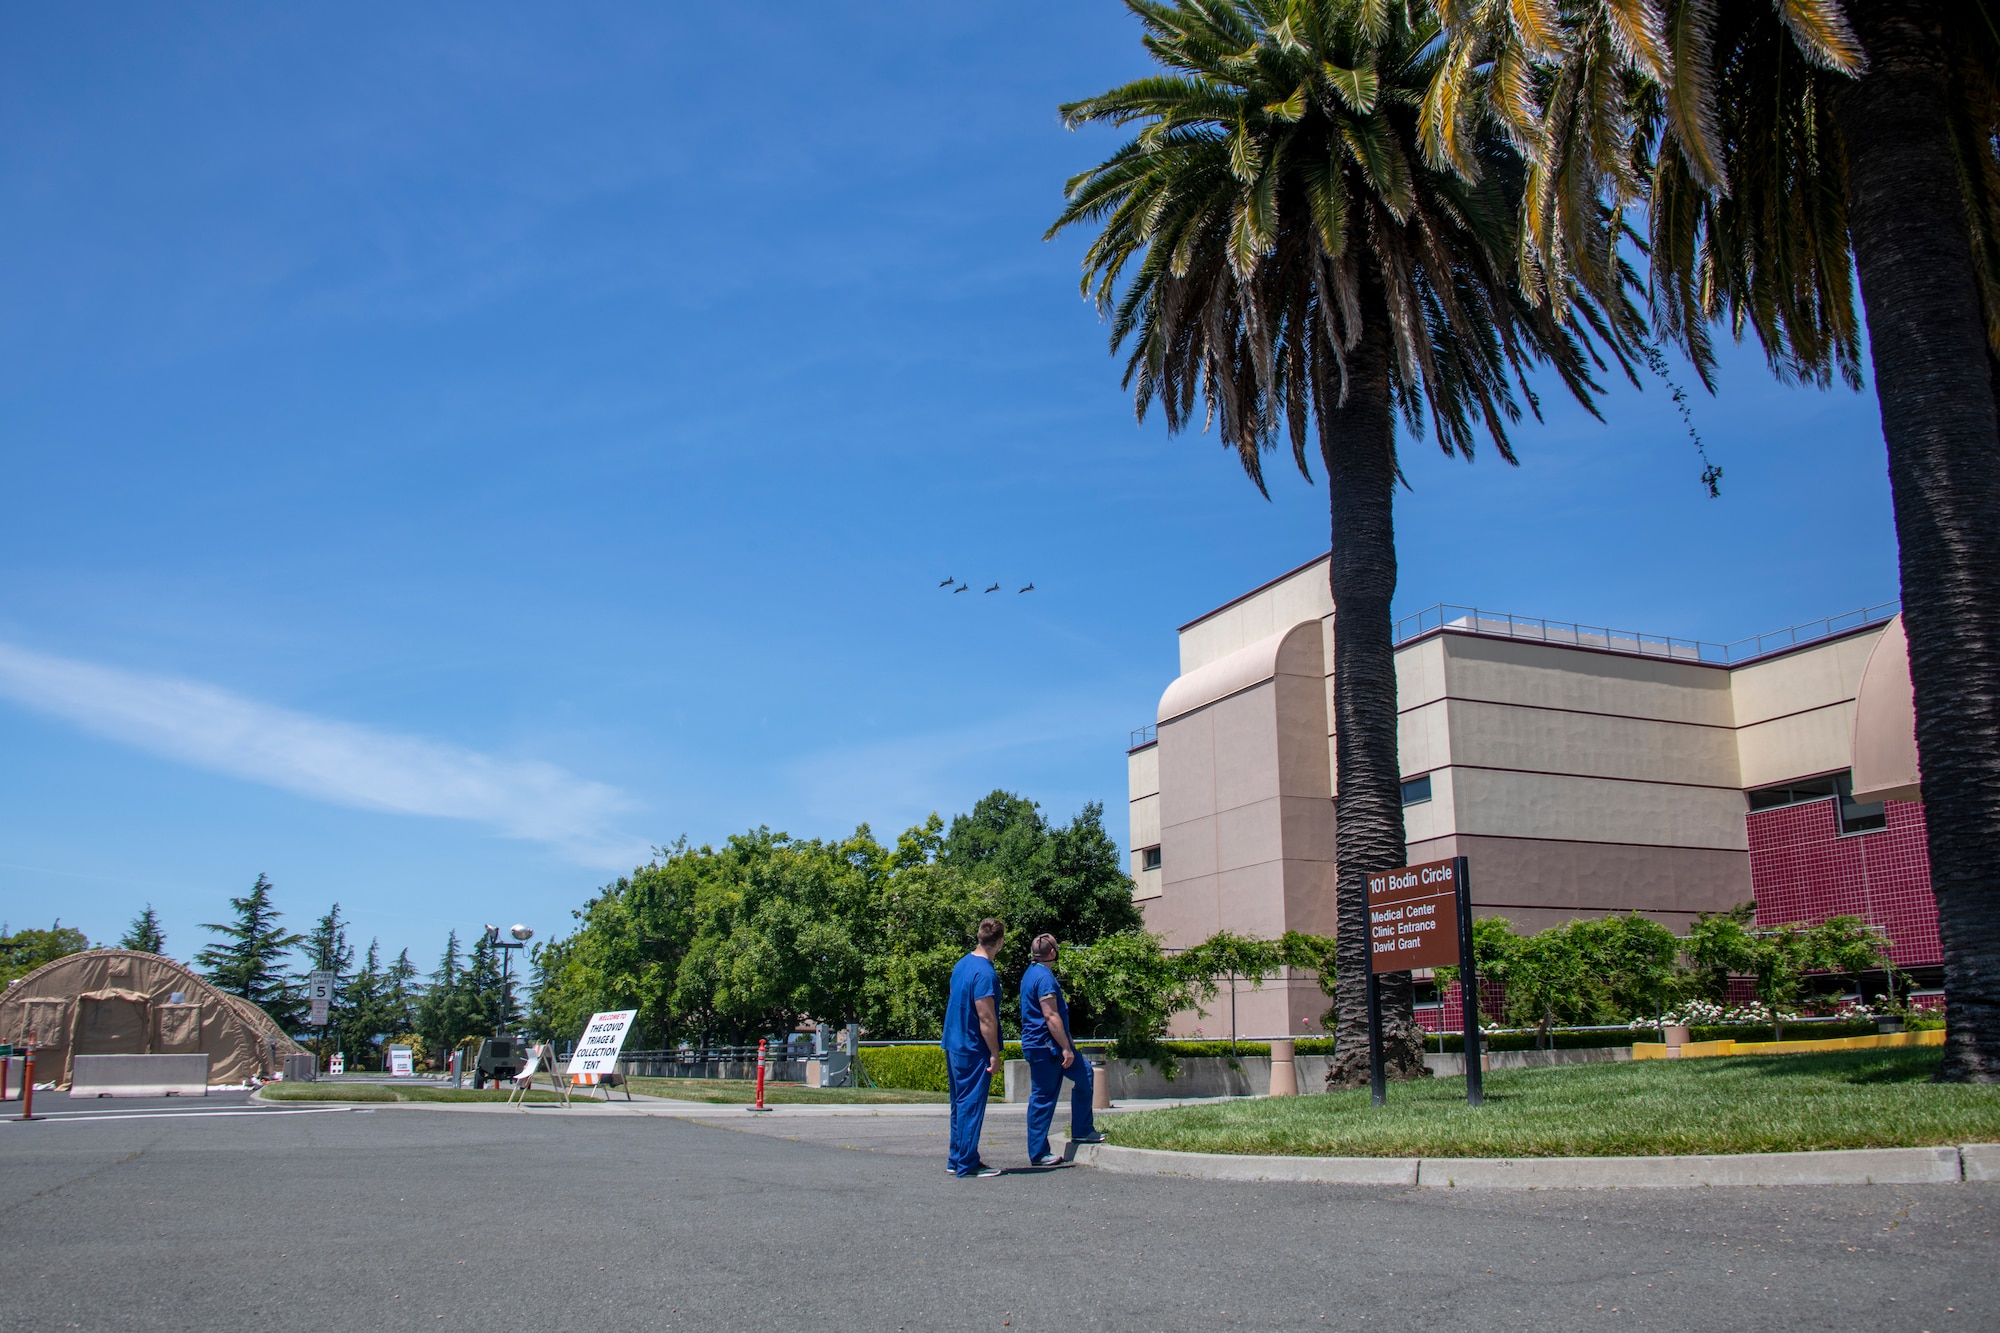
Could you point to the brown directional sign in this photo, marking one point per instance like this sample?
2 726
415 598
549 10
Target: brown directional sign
1413 917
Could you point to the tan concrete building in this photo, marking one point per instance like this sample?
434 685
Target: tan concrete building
1583 771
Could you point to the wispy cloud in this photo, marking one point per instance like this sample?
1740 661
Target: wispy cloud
903 778
340 762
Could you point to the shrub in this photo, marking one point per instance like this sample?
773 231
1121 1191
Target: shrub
921 1068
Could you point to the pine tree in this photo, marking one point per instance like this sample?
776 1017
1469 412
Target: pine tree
327 947
144 934
400 993
248 960
440 1018
326 950
362 1018
480 986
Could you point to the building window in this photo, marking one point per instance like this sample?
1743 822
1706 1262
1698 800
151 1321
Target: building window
1417 790
1855 816
1149 858
1794 793
1859 816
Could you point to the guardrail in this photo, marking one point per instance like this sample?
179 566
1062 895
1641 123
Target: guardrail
1570 634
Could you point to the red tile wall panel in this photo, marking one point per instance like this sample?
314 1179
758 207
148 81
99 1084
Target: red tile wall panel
1802 869
1447 1016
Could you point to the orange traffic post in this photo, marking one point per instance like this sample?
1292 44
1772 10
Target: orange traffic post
762 1045
28 1082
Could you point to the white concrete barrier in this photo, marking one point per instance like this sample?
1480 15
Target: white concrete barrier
138 1076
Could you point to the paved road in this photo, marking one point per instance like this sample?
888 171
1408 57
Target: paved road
416 1218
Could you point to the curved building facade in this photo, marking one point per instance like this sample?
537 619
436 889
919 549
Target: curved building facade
1582 770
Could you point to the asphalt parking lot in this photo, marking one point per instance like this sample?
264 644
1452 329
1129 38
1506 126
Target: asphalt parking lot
216 1214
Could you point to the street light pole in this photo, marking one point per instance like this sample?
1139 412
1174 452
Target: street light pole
522 934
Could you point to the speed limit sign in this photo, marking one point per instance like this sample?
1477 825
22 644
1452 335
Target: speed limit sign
320 988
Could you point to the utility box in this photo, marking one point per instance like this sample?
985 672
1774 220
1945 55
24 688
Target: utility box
302 1068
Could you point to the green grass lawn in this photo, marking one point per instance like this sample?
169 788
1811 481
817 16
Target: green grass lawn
377 1092
1782 1103
742 1092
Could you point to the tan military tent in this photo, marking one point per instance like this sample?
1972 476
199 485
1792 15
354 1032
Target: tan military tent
123 1002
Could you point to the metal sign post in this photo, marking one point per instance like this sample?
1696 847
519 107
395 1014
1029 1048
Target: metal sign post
1378 1080
1468 989
1421 916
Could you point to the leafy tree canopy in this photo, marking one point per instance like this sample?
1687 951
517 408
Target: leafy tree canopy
22 951
729 943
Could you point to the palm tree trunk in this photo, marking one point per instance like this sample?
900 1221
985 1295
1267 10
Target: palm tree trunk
1358 440
1927 340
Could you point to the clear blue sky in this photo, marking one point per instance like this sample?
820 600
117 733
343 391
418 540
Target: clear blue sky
450 449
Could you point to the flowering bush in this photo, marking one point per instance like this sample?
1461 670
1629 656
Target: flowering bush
1707 1013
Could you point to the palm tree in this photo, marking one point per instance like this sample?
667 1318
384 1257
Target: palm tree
1278 242
1791 145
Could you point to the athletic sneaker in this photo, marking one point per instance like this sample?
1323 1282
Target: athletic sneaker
1047 1159
1095 1136
951 1170
985 1171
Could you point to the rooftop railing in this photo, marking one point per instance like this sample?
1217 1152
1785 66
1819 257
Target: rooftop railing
1472 620
1499 624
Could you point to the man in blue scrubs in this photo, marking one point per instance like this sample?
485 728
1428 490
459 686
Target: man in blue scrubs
972 1046
1052 1056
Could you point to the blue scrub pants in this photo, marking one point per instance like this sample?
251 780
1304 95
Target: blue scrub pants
969 1084
1045 1076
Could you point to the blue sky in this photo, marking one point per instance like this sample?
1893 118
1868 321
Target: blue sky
450 449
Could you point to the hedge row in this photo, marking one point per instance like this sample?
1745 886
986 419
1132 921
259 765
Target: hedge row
920 1068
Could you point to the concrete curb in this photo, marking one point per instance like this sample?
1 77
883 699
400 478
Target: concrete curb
1228 1166
1860 1166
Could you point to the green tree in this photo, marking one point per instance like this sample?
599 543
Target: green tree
248 962
1298 259
326 949
1493 941
1637 961
1787 150
1133 987
402 995
25 950
1552 977
144 934
1718 946
1794 960
447 1013
362 1017
1069 882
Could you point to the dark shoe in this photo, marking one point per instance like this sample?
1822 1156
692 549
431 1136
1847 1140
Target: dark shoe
1095 1136
983 1172
1047 1159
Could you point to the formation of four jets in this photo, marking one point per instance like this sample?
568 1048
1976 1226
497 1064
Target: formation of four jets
995 588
